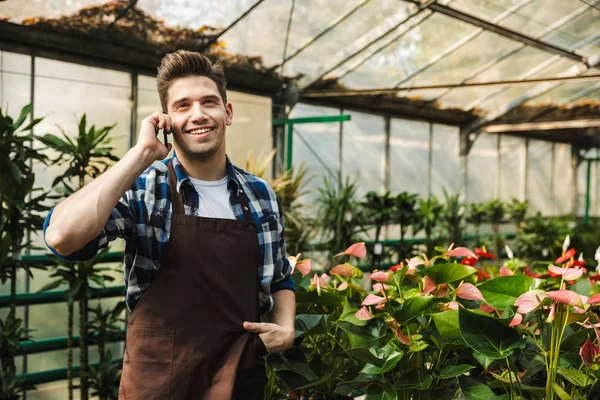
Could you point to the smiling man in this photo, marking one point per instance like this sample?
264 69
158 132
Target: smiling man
205 254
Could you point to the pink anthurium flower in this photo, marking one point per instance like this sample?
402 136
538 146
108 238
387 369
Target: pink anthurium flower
294 260
404 339
343 270
517 319
461 252
428 285
364 314
343 286
505 271
380 307
567 297
319 281
379 276
373 299
487 308
595 299
529 301
358 250
453 305
304 267
378 287
568 274
468 291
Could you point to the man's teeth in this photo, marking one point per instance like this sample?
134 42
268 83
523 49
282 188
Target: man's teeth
200 131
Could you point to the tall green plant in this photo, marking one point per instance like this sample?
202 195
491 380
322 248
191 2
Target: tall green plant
378 211
517 210
428 219
12 333
452 217
86 157
476 216
495 213
404 215
338 217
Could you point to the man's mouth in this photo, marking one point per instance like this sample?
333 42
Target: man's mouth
200 131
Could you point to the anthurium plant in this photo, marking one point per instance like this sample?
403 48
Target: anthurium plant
449 325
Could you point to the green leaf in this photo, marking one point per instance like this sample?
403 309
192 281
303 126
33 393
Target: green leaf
25 111
293 361
377 392
452 371
364 355
560 392
375 329
487 335
502 292
325 298
390 356
484 361
575 377
348 315
473 390
446 323
308 324
413 307
413 381
448 273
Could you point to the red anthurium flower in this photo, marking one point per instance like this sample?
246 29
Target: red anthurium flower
404 339
568 273
468 291
505 271
529 301
358 250
589 352
471 261
595 299
373 299
443 290
343 286
534 275
517 319
565 256
379 276
482 275
364 314
397 267
484 253
460 252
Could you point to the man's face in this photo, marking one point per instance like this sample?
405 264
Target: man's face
198 116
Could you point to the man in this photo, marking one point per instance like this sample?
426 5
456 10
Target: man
205 254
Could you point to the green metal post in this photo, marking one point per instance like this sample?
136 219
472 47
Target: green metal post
587 191
290 148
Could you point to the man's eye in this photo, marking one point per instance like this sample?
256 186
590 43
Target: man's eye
181 105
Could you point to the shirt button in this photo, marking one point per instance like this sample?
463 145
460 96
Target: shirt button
250 226
246 208
194 208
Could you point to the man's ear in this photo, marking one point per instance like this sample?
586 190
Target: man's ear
229 111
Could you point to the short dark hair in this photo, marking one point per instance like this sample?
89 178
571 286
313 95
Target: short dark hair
185 63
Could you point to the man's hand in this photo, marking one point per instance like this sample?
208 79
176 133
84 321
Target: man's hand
147 139
276 338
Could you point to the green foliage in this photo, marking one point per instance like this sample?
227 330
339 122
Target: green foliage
539 236
428 219
451 218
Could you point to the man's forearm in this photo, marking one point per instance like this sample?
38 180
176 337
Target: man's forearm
81 217
284 309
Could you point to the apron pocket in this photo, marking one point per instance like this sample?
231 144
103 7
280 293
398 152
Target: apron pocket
258 347
148 362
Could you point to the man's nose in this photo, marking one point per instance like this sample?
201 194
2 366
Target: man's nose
198 114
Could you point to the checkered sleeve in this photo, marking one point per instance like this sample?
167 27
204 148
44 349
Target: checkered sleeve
283 269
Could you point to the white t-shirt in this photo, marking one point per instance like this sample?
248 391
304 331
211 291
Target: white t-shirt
214 198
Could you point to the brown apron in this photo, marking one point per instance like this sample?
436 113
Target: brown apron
185 338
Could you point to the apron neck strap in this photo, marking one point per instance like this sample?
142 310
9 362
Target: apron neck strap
176 198
245 204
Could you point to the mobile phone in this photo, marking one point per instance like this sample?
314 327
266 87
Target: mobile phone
165 140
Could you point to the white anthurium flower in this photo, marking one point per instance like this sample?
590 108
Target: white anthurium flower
509 252
566 243
597 258
545 252
580 257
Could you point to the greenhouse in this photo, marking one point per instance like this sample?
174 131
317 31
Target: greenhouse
436 163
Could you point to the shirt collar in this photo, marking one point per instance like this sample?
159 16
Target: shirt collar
182 178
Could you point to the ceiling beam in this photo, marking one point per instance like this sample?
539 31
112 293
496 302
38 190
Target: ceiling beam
377 92
509 33
542 126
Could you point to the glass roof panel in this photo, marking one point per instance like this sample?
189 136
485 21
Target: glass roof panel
253 37
389 67
562 93
536 16
593 97
484 9
591 49
374 19
503 96
17 11
582 27
460 64
510 68
195 14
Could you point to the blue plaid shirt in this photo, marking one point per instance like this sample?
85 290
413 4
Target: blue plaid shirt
143 218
